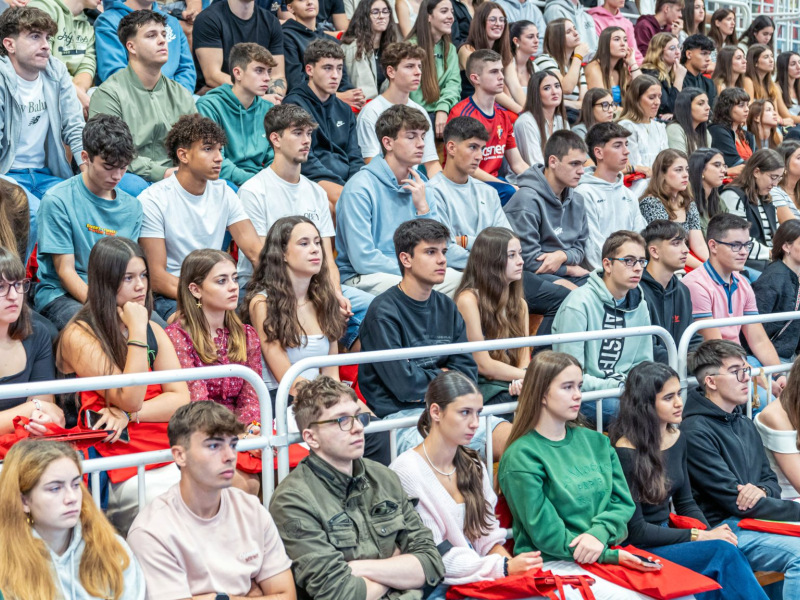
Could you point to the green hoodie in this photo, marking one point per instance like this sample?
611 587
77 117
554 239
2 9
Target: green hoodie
248 150
74 43
605 362
449 79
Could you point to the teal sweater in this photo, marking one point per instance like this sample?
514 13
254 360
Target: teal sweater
449 78
558 490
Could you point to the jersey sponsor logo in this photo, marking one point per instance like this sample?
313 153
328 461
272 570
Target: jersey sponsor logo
611 349
497 151
100 230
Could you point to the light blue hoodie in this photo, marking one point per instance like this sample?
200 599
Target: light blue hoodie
371 207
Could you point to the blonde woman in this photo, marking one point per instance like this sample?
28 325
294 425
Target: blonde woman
662 62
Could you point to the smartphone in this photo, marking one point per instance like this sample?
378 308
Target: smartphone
648 562
92 417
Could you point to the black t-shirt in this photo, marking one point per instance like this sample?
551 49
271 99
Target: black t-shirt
39 366
218 27
328 8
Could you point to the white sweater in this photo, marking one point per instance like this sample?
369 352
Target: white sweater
646 141
468 561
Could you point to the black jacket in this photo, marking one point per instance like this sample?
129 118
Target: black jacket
724 140
335 155
296 38
462 22
753 216
724 451
669 308
776 291
703 83
669 93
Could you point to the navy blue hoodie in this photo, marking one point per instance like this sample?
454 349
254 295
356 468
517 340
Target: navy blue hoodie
296 38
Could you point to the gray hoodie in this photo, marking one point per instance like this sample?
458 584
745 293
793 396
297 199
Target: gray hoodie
63 110
574 11
545 223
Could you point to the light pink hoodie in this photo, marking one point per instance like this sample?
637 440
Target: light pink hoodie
604 19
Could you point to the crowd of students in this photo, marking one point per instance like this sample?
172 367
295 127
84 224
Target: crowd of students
242 182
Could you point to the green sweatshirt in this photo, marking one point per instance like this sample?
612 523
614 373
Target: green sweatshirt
558 490
74 43
150 114
449 79
248 151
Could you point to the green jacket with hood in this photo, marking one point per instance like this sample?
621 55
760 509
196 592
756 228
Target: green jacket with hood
448 76
605 362
74 43
248 150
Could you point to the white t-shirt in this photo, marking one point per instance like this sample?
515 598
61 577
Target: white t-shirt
367 138
186 222
266 198
30 151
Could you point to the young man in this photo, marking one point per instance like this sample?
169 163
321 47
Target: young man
112 56
548 216
609 204
335 156
667 18
240 110
380 197
668 299
39 107
609 14
225 23
611 299
575 12
696 57
202 538
346 522
522 10
144 98
718 291
78 212
191 210
402 63
485 71
728 466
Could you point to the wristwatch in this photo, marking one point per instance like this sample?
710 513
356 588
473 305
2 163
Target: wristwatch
222 596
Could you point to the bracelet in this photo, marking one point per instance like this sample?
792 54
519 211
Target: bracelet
138 344
505 567
37 403
131 415
578 56
633 68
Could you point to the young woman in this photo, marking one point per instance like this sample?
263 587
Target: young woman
730 68
749 196
440 88
490 298
759 84
722 30
788 80
669 197
761 31
543 114
786 195
371 29
648 136
614 65
524 45
707 171
546 502
728 134
662 61
14 219
113 334
489 29
563 54
597 107
407 12
652 452
54 541
762 122
694 20
689 129
456 499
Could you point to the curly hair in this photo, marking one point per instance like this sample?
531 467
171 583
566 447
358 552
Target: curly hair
190 129
24 19
360 33
726 101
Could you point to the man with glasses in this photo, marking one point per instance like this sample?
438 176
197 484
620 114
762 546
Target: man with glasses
611 299
346 521
728 466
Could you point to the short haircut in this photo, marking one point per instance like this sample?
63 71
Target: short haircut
710 355
617 239
661 3
397 52
697 41
285 116
210 418
461 129
322 48
721 223
131 23
109 137
561 143
661 230
316 395
398 117
478 60
14 21
190 129
416 231
245 53
602 133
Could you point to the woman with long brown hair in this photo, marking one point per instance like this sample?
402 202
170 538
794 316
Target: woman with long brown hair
788 80
648 135
563 54
763 123
614 64
759 82
722 29
597 107
15 220
54 541
525 45
456 499
730 68
543 114
786 195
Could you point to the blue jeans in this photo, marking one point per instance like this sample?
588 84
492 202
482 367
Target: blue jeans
164 306
771 552
61 310
359 301
36 182
133 184
504 189
610 411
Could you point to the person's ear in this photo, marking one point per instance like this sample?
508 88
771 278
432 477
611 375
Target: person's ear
405 259
85 156
237 73
179 455
310 438
387 143
436 412
653 250
607 266
183 155
25 504
474 78
194 289
450 149
275 140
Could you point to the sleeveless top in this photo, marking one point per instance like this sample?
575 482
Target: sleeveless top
784 442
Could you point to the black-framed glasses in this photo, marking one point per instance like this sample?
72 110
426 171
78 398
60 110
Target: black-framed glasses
632 262
20 286
742 375
346 423
737 246
606 106
380 12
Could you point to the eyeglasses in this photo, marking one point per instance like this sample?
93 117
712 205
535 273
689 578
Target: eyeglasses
493 20
775 178
632 262
346 423
742 375
20 286
385 12
737 246
606 106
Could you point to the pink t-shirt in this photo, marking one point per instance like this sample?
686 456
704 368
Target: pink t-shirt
183 555
713 298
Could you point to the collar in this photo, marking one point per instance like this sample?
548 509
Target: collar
339 483
729 288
